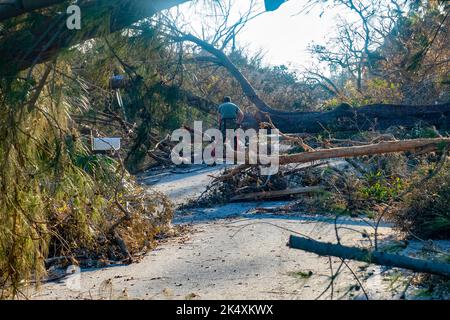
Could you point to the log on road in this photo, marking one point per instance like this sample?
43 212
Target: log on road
364 255
275 194
415 145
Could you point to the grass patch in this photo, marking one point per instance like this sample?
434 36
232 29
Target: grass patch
301 274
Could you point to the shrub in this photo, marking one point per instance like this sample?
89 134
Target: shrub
426 211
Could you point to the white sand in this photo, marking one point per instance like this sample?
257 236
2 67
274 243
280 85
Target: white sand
230 254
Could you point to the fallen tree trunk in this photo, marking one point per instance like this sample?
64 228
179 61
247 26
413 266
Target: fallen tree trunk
49 35
342 118
364 255
226 62
416 145
275 194
347 118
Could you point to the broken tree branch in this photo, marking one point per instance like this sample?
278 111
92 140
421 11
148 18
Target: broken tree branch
226 62
275 194
415 145
15 47
341 118
364 255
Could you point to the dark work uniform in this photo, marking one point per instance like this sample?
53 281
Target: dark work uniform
228 113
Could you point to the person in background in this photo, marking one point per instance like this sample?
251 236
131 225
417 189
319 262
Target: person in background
229 116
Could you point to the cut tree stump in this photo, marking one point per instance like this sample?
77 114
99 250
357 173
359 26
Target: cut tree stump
275 194
364 255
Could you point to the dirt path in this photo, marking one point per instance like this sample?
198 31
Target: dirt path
231 254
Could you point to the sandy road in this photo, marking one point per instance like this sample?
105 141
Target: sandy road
231 254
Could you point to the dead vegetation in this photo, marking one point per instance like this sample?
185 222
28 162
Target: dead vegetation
376 185
59 202
409 189
425 212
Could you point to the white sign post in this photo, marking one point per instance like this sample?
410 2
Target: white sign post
105 144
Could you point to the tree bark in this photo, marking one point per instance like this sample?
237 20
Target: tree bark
415 145
364 255
375 116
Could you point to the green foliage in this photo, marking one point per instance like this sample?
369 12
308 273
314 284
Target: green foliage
423 132
404 65
301 274
381 188
376 90
56 198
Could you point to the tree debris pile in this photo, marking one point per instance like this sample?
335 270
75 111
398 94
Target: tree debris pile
60 202
238 181
127 227
311 188
369 185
